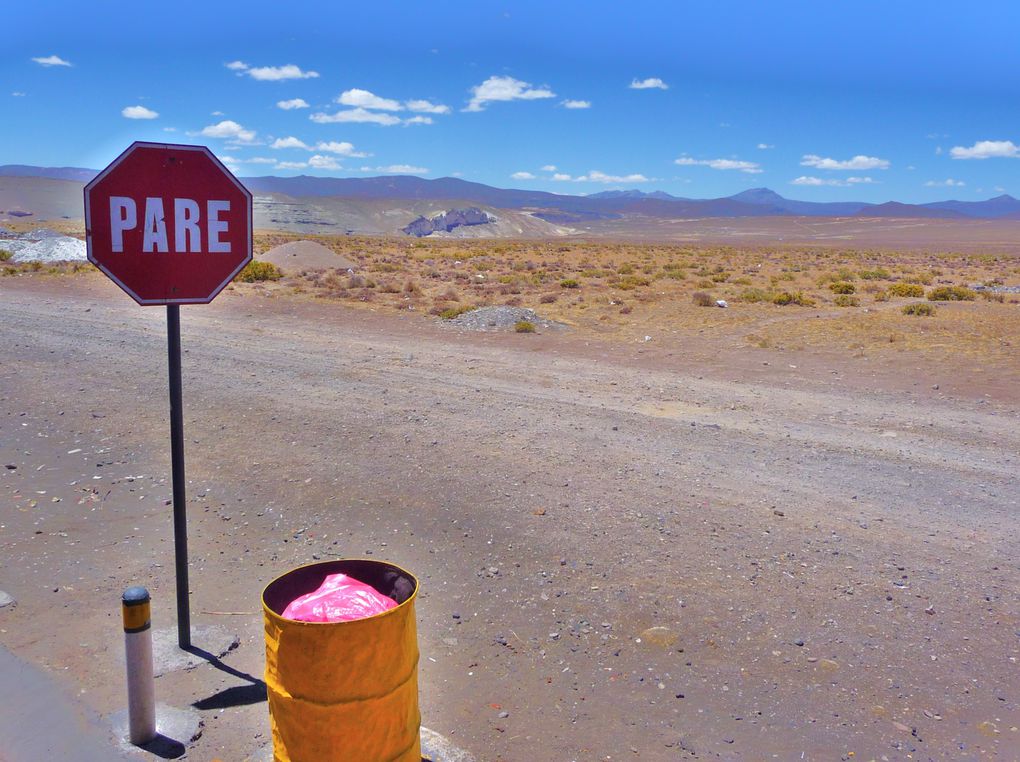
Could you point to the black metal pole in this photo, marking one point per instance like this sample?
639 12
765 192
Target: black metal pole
173 335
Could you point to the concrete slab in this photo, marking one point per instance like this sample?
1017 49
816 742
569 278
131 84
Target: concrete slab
43 722
176 730
206 639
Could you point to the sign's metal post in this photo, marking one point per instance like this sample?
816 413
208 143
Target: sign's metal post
173 331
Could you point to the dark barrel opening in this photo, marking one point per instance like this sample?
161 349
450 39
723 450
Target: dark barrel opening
386 578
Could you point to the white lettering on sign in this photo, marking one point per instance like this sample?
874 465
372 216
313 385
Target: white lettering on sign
155 226
123 216
187 225
217 226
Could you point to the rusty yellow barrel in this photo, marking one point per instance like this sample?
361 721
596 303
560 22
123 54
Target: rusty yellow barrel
344 691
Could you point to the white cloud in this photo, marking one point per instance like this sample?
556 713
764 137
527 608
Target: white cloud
237 66
397 169
765 146
216 113
230 130
987 149
857 162
426 107
138 112
358 115
337 147
522 176
648 84
938 150
748 167
253 160
947 183
594 176
861 181
292 165
560 177
505 89
365 99
419 120
802 180
169 129
17 94
549 168
292 104
273 73
318 161
51 61
290 142
575 104
341 148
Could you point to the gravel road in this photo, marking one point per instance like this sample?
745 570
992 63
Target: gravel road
655 551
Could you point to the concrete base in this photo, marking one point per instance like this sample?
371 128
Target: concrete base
176 730
207 638
438 748
434 747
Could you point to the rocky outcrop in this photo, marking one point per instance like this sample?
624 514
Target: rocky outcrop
447 221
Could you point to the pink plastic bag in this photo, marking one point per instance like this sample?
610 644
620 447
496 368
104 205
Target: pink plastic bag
339 599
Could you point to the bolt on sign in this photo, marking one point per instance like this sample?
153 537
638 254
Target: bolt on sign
169 224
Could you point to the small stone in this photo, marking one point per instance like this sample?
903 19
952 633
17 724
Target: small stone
456 615
503 715
778 513
799 642
11 467
988 728
659 636
6 599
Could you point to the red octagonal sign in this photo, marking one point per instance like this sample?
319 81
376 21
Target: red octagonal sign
168 223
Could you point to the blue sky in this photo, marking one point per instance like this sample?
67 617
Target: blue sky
913 101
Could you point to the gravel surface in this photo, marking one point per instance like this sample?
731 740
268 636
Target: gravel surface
501 319
44 245
654 552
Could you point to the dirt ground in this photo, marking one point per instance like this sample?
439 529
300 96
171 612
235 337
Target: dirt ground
681 548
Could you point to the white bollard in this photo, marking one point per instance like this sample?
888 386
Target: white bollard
138 649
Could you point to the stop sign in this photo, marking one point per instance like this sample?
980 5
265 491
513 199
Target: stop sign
168 223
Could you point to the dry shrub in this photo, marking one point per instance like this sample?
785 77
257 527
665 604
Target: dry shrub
702 299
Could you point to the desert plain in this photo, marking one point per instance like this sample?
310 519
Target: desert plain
647 526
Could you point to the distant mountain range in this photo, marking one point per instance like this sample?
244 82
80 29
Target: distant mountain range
567 209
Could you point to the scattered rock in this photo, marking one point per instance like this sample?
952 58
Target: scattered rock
6 599
447 221
501 319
